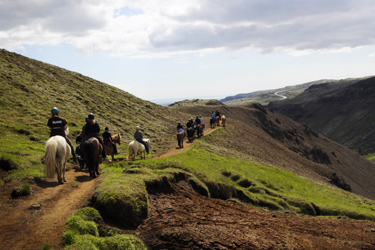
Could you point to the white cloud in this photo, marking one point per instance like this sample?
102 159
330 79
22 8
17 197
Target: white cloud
165 27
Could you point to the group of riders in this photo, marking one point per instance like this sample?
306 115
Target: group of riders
58 125
192 125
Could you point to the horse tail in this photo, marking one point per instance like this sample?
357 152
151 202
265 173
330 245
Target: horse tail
89 154
50 157
130 151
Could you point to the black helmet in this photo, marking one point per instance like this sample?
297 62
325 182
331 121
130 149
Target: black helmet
91 116
106 128
54 111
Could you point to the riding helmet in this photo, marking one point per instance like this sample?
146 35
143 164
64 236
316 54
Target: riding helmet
54 111
91 116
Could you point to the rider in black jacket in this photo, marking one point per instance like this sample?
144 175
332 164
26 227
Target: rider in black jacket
92 129
58 127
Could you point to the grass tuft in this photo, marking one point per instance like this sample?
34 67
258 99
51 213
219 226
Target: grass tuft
82 232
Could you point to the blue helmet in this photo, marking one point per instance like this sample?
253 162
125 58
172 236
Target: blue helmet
54 111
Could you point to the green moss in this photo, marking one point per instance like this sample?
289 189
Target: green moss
88 214
81 233
79 226
122 203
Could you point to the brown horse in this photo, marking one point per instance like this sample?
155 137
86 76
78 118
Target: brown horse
218 118
109 149
92 151
180 139
223 120
212 122
199 129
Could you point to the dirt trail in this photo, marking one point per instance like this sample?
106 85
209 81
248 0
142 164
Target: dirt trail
26 228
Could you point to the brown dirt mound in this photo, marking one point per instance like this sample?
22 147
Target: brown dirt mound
185 220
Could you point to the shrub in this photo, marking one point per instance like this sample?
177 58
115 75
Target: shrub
23 190
125 208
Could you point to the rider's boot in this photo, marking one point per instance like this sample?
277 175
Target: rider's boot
104 155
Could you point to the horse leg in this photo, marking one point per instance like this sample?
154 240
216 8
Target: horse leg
58 171
63 172
97 168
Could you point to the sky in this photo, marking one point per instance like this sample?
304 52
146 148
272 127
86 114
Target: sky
162 50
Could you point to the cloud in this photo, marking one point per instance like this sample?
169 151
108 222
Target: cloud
160 28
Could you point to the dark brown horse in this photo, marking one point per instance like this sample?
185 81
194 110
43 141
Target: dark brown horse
109 149
212 122
180 139
199 129
92 151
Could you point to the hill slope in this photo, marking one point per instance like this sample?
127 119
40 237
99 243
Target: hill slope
342 111
271 138
29 89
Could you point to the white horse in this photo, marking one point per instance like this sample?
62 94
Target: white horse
136 148
56 156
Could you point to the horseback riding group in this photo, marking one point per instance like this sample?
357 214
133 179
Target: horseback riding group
216 118
196 127
91 149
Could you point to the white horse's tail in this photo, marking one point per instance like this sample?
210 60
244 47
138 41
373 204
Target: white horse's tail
50 157
130 151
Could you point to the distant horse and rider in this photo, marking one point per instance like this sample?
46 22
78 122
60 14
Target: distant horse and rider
180 135
139 145
137 148
110 141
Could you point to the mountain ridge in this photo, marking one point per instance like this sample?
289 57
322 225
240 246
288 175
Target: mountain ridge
342 111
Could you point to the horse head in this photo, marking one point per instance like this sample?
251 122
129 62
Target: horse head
117 139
